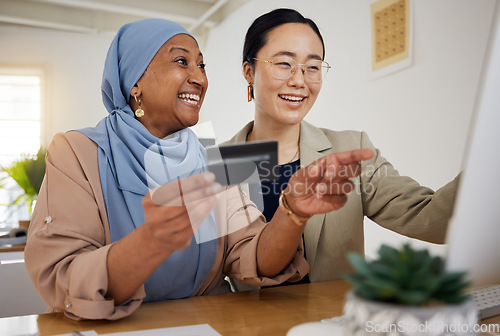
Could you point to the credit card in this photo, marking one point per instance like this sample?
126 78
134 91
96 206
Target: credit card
250 162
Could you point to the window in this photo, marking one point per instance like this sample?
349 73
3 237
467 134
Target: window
20 131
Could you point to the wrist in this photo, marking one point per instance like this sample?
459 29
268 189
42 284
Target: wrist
298 219
150 244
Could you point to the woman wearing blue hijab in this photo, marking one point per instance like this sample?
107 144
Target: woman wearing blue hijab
127 214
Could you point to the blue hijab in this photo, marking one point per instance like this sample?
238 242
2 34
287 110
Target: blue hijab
132 161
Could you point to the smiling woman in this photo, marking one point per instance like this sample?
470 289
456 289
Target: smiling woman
127 212
177 74
285 93
285 89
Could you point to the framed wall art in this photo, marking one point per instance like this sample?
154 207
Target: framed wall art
391 36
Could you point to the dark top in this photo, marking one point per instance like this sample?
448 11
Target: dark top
270 191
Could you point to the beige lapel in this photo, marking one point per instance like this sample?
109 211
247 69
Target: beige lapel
241 136
313 143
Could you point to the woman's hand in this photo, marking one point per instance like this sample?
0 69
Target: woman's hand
318 188
323 185
174 211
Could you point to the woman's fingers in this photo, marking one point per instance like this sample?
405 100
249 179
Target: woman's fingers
323 186
346 158
188 189
179 233
334 188
200 209
174 226
337 166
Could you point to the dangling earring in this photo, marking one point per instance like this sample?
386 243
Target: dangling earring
250 92
139 112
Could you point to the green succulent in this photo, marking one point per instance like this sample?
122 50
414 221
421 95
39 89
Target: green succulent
28 173
406 276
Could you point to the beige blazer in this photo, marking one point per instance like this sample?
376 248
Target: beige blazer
395 202
69 238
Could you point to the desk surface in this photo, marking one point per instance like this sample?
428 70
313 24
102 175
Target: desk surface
12 248
271 311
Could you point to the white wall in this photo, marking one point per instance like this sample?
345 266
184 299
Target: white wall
73 66
418 117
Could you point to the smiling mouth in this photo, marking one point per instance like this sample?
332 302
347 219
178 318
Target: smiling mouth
189 98
292 99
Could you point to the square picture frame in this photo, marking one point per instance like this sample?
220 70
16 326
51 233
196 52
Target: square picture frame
391 35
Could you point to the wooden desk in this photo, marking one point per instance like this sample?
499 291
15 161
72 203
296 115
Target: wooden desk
271 311
12 248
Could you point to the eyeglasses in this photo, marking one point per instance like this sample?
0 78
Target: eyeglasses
284 67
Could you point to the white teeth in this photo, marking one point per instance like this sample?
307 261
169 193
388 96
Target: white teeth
189 96
192 102
292 98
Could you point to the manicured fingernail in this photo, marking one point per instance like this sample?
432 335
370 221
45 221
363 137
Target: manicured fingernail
321 188
216 187
330 171
209 176
314 170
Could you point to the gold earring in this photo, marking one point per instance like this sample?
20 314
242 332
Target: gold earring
139 112
250 92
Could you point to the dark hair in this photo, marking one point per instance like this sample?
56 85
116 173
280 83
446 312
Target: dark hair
256 36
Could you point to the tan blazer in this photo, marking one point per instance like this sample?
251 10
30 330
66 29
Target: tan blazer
69 238
395 202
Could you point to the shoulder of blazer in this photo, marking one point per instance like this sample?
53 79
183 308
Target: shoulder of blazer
241 135
314 138
327 140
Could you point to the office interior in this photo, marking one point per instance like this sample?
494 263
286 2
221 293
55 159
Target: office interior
418 116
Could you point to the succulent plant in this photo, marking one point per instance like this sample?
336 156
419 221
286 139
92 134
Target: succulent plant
406 276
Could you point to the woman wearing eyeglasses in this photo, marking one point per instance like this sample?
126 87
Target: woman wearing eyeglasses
283 63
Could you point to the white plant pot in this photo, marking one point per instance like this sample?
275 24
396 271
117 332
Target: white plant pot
363 318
